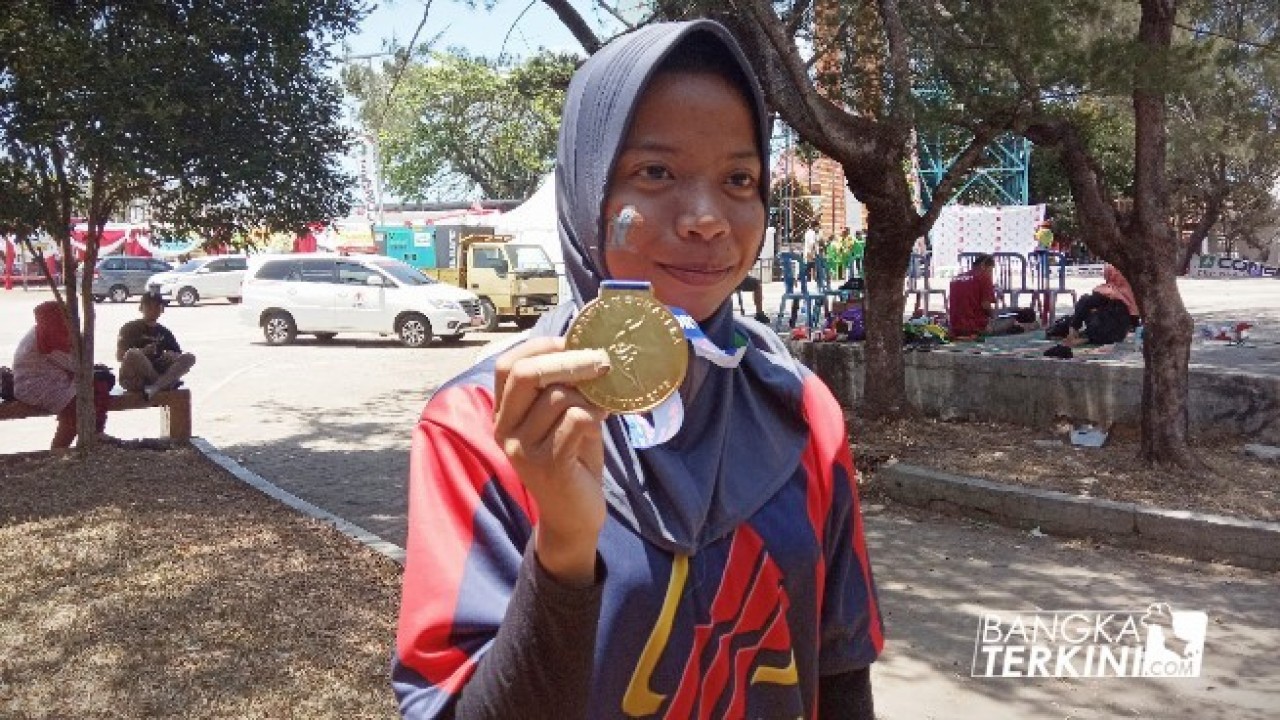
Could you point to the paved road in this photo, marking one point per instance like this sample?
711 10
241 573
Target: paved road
331 423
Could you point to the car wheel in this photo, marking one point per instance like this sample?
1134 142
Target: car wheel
119 293
278 328
524 322
489 314
98 298
188 296
326 337
234 300
414 331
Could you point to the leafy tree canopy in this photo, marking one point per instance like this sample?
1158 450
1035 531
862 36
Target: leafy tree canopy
448 122
219 113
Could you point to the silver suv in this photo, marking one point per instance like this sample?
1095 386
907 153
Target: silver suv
120 277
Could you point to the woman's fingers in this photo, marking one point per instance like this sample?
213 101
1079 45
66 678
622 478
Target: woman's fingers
507 361
530 377
557 423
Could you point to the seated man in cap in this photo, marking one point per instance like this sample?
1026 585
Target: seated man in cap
150 358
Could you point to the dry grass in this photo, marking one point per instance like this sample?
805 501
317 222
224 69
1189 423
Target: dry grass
1232 483
147 583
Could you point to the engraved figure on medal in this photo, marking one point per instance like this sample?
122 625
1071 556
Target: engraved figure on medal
646 346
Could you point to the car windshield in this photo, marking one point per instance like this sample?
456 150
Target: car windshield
190 266
528 257
404 274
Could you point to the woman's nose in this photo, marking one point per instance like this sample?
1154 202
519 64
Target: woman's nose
702 217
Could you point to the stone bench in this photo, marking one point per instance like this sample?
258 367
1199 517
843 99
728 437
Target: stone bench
175 406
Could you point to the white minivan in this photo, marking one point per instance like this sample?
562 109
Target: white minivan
324 295
204 278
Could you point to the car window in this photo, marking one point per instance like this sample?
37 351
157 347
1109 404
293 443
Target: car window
113 264
405 274
350 273
487 257
190 266
277 270
530 257
317 271
217 266
135 264
158 266
237 263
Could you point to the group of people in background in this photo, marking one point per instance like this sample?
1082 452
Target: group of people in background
842 253
44 369
1103 316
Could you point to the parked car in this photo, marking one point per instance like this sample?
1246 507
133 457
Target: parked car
120 277
206 278
323 295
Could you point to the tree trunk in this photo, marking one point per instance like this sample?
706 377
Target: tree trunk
890 236
1166 354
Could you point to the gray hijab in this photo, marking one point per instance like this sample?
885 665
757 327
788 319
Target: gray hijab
743 432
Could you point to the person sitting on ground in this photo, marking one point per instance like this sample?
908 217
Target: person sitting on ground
1106 315
44 374
971 305
149 355
972 299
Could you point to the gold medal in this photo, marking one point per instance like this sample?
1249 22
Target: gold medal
648 354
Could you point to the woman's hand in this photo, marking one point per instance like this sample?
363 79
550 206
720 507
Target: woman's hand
554 438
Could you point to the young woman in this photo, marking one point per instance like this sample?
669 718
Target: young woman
555 570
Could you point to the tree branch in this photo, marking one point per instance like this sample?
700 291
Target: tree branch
578 26
959 169
901 113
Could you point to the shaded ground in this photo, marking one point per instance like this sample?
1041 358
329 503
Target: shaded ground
148 583
1232 484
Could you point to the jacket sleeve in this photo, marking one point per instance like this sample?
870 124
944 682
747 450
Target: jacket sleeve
483 631
851 634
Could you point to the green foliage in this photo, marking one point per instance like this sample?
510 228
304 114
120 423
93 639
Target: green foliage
453 122
219 113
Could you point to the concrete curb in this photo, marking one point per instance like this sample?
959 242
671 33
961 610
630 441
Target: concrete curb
355 532
1202 536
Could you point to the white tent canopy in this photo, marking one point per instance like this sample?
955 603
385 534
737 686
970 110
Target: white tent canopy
534 220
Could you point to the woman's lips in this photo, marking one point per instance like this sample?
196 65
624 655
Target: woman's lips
697 275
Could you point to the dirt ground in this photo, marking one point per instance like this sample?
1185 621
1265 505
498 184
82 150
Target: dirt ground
1231 483
149 583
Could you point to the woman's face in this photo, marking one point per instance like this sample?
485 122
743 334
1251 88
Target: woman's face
691 166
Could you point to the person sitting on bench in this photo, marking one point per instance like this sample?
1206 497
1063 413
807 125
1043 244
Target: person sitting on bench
150 358
44 374
971 305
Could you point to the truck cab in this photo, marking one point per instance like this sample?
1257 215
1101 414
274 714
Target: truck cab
515 281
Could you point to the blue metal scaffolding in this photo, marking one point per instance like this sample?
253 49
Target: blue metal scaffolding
1001 177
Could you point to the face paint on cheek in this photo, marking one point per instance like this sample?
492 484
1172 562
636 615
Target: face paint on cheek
620 226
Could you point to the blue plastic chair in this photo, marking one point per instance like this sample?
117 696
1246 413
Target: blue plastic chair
795 287
1010 275
1043 263
919 282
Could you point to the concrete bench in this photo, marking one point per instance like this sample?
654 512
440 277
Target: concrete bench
175 406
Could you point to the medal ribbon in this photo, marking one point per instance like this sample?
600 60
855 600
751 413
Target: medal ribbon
703 347
646 430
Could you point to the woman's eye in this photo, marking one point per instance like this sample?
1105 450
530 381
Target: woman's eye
742 180
655 172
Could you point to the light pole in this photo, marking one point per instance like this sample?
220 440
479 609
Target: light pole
371 137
